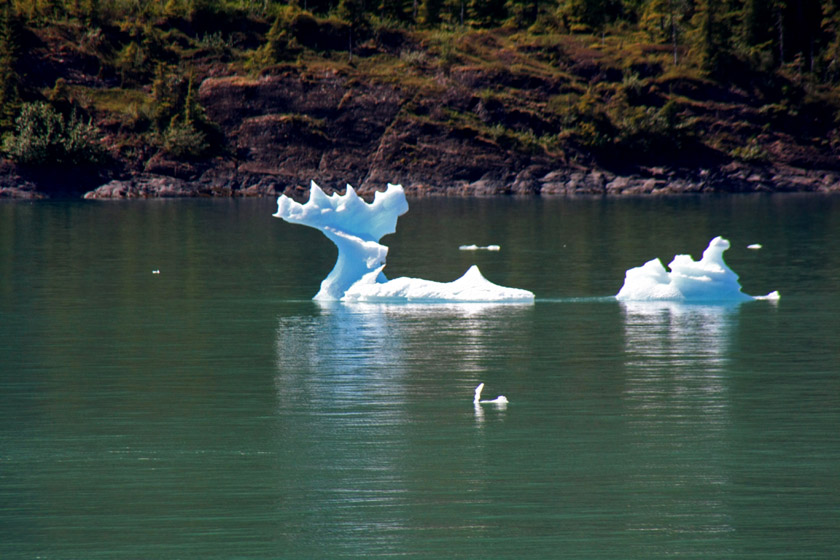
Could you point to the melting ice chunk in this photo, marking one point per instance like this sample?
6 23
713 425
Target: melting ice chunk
703 281
480 248
356 228
472 287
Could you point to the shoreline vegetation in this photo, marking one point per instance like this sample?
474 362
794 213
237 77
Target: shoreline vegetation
126 99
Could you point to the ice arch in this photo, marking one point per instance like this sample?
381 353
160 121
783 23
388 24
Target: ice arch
356 228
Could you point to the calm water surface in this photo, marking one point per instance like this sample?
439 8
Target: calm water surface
213 411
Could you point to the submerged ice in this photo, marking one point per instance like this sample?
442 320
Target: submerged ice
356 228
703 281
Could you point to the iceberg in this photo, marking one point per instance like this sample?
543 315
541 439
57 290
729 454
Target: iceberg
356 227
704 281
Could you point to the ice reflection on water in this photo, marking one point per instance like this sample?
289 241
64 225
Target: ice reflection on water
679 408
339 373
362 388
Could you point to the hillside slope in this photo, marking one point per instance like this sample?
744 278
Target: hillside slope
457 112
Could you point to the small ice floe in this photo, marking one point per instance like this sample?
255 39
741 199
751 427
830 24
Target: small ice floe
156 271
754 246
772 296
502 400
480 248
708 280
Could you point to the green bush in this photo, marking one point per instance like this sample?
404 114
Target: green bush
751 152
181 128
43 136
589 123
183 140
648 129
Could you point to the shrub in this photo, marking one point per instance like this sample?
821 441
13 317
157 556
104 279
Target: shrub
183 140
181 126
131 63
647 129
279 44
588 122
751 152
44 136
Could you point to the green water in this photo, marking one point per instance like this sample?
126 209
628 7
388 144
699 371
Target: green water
213 411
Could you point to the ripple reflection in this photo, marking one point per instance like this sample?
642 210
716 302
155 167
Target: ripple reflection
368 395
679 415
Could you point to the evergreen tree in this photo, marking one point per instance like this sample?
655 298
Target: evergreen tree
455 11
353 12
397 10
831 31
797 25
9 98
186 137
430 12
757 22
486 13
89 11
276 45
806 18
49 9
594 13
707 41
166 97
664 21
756 34
523 12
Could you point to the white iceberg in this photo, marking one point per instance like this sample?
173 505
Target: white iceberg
356 228
703 281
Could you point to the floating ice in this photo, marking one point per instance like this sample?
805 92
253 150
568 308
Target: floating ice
471 287
356 228
754 246
501 399
704 281
480 248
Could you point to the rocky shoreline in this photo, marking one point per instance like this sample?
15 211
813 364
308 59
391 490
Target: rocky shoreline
734 178
561 182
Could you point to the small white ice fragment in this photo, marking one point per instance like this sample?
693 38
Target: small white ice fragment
754 246
772 296
480 248
156 271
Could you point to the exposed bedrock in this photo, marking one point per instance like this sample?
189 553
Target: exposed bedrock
283 130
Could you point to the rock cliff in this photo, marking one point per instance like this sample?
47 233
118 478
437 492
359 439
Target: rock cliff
483 112
285 129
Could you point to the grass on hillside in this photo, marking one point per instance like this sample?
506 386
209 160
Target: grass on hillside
523 90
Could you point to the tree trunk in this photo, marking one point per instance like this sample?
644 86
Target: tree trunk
780 26
673 29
